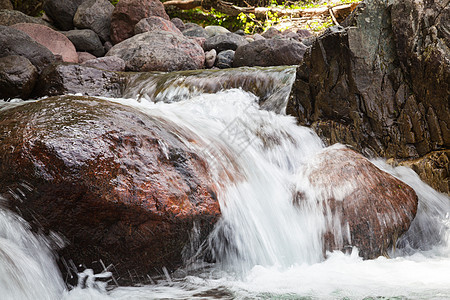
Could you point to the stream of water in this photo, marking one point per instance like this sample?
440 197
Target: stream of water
265 249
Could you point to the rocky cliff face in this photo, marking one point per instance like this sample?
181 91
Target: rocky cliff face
381 85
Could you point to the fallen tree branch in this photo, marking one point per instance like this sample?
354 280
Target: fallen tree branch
261 12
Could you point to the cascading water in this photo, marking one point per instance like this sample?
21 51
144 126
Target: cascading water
264 246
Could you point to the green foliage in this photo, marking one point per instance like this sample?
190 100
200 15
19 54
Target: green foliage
114 2
29 7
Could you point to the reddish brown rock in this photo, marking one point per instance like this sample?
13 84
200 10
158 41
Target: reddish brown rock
85 56
115 182
56 42
128 13
372 207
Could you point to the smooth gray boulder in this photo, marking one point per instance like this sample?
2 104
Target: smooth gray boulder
222 42
225 59
62 12
86 40
95 15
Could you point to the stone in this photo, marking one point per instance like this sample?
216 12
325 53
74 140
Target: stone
108 63
178 23
16 42
199 40
159 51
85 56
53 40
6 4
269 52
364 206
155 23
116 183
271 32
17 77
240 32
303 33
210 58
86 40
225 59
214 30
380 85
62 78
222 42
194 30
11 17
433 168
62 12
95 15
128 13
258 37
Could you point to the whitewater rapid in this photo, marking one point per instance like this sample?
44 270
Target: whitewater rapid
265 249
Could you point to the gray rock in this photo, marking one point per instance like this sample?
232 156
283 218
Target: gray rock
194 30
108 63
62 78
95 15
86 40
269 52
240 32
62 12
222 42
17 77
155 23
210 58
271 32
159 51
178 23
16 42
215 30
11 17
225 59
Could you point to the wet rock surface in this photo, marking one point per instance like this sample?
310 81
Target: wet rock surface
364 206
60 78
119 185
382 84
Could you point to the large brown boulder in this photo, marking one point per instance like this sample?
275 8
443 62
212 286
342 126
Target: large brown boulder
364 206
128 13
53 40
116 183
382 83
155 23
159 51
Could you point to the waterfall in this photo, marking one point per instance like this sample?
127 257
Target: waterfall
264 247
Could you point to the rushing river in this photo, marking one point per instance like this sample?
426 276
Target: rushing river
264 248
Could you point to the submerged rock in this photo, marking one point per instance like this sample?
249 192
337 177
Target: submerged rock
116 183
364 206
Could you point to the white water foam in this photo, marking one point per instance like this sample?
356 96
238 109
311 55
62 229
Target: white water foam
265 248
